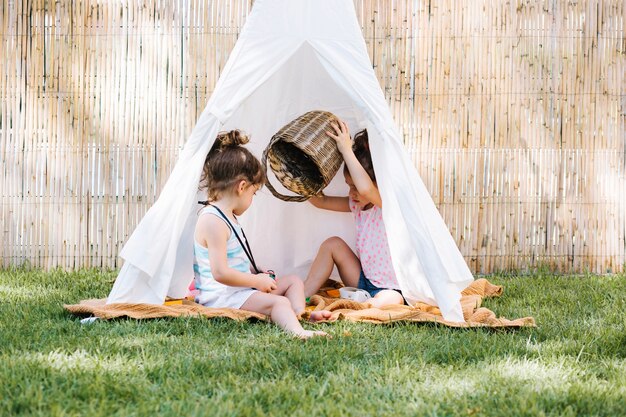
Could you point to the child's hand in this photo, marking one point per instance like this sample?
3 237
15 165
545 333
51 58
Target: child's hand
264 283
341 135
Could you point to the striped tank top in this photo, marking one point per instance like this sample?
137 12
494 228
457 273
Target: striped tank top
209 289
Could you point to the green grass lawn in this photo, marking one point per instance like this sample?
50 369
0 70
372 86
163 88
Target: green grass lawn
573 363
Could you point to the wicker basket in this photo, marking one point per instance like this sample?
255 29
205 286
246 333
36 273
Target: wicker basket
302 156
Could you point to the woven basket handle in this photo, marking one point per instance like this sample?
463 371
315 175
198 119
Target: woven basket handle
290 198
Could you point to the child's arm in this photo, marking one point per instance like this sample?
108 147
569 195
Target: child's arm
330 203
363 183
214 233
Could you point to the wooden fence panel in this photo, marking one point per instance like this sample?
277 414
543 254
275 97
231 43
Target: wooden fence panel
513 113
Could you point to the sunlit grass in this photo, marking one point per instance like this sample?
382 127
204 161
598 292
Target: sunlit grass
573 363
80 361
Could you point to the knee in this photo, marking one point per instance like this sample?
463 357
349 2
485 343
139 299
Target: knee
387 297
333 243
293 281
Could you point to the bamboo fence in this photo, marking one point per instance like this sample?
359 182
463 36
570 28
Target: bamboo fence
513 112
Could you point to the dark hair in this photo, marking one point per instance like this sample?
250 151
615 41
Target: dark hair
228 163
361 148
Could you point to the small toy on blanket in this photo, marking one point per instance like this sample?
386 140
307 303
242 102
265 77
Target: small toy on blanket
330 289
188 298
178 301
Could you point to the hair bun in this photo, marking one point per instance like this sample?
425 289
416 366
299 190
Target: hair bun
232 139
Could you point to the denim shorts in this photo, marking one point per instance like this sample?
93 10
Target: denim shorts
366 284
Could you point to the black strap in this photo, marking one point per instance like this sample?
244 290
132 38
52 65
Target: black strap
246 247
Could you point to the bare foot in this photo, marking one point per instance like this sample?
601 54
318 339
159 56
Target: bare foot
307 334
320 315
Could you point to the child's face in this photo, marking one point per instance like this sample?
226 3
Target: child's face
246 193
361 201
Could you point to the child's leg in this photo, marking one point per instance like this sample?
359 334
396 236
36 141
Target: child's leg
292 287
386 297
280 311
334 251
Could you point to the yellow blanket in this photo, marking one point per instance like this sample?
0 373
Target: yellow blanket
474 314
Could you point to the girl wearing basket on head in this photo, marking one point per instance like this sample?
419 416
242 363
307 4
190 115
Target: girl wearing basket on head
372 269
222 257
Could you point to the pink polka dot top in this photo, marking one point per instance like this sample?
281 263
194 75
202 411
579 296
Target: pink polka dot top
372 247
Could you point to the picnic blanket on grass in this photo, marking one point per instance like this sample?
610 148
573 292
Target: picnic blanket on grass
342 309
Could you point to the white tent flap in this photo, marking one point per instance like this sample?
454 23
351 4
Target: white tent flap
294 56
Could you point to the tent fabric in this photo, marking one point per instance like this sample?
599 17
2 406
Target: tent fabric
294 56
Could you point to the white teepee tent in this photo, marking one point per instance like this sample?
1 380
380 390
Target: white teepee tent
293 56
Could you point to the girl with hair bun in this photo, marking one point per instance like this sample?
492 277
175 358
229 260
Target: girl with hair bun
225 273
